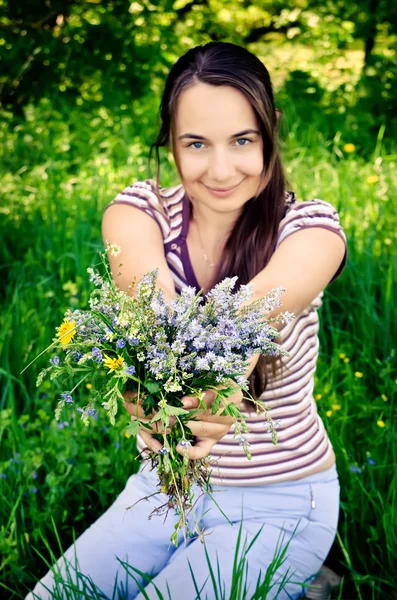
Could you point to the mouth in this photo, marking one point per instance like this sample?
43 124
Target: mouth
228 189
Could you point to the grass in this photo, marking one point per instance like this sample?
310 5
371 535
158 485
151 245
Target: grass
69 582
58 171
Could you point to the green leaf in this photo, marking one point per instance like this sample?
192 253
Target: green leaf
229 391
149 405
133 428
216 404
231 410
152 386
160 415
173 410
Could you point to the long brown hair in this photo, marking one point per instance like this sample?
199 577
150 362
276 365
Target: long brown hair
253 238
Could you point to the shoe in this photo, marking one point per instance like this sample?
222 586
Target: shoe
323 584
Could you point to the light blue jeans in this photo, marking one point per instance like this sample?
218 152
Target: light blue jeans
309 505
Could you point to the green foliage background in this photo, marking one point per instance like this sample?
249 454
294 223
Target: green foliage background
80 86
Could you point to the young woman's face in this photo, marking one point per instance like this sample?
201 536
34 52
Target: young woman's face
219 146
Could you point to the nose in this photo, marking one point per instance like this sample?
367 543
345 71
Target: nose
221 168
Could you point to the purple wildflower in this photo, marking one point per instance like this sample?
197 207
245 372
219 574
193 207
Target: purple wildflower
34 475
4 475
371 461
117 445
77 355
33 490
67 397
130 370
120 343
55 361
97 355
355 469
91 412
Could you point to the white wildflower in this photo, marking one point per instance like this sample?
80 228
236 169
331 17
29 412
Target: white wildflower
112 249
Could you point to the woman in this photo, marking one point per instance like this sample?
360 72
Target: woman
230 215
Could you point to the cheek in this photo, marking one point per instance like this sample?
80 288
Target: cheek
253 164
191 167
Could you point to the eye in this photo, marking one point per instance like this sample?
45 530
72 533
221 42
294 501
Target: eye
192 145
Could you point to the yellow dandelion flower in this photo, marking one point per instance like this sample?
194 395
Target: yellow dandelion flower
384 397
127 435
336 407
346 360
342 355
372 179
349 148
328 413
113 363
358 374
88 386
380 423
318 396
66 332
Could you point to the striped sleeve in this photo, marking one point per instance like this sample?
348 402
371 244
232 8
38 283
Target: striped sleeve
142 195
313 213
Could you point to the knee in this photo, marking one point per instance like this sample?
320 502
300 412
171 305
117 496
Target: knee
41 592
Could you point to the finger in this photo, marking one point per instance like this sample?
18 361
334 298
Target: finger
150 442
206 429
135 410
193 401
132 396
206 415
201 449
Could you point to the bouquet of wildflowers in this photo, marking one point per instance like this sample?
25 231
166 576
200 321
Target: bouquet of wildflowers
162 352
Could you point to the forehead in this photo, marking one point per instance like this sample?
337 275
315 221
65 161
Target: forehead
211 108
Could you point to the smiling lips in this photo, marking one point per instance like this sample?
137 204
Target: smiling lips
229 189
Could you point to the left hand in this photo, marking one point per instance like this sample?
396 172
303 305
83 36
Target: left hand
208 429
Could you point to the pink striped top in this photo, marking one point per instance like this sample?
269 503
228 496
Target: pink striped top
303 445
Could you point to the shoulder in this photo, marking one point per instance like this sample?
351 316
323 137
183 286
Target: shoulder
145 194
309 213
163 204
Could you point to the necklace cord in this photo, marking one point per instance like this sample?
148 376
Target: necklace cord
207 260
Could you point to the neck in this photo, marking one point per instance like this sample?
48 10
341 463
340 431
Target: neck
215 226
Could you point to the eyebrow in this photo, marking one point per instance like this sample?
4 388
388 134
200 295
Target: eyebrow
201 137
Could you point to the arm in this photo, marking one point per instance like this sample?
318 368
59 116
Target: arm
304 263
142 250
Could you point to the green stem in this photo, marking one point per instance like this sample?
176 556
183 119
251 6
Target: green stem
77 384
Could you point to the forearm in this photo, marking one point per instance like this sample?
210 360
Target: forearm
252 365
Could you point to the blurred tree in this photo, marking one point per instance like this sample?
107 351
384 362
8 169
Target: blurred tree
112 52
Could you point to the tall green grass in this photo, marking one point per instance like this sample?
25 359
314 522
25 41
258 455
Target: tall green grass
58 171
69 582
